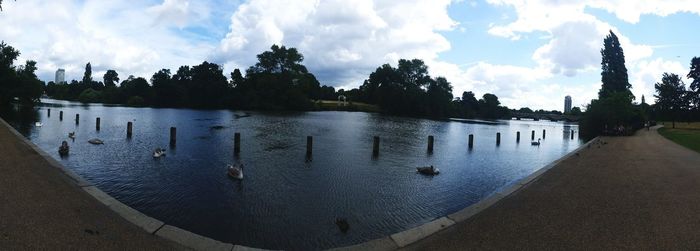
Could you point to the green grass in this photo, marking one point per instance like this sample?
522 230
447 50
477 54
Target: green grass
682 125
689 138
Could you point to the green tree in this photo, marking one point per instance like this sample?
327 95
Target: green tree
613 112
277 81
236 78
30 87
87 77
439 95
576 111
111 78
279 60
8 75
136 87
614 72
489 106
209 86
670 95
694 74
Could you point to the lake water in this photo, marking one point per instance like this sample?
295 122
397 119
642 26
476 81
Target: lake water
285 201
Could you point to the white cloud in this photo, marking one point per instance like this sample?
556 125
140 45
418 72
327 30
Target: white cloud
647 73
109 34
341 44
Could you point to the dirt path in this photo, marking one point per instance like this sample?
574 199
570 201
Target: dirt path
640 192
41 209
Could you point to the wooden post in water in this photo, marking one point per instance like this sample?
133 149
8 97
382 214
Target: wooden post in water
544 133
60 115
129 127
498 138
173 136
430 143
572 134
49 112
97 123
375 147
236 143
533 134
517 136
471 141
77 118
309 146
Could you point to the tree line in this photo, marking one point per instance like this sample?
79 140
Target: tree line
615 113
674 101
18 82
279 81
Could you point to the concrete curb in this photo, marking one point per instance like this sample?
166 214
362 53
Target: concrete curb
198 242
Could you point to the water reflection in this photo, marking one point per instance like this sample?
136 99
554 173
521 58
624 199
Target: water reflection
20 117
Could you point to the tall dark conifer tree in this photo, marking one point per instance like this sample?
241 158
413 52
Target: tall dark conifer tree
614 74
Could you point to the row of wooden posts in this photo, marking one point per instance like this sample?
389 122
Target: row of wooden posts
309 139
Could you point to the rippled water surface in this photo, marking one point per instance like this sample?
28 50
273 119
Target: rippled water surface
286 202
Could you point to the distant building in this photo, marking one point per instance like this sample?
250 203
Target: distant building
60 76
567 104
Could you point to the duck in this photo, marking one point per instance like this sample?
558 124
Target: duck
428 170
235 171
96 141
159 152
535 143
71 135
63 149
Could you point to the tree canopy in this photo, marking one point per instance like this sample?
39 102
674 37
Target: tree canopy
17 82
614 72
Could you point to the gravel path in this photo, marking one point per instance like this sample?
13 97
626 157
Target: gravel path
633 193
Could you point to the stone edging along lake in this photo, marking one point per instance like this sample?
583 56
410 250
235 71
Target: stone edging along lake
195 241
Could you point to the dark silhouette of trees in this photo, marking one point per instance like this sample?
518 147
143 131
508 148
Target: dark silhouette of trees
17 82
208 87
111 78
694 74
87 77
408 90
613 111
277 81
614 72
670 96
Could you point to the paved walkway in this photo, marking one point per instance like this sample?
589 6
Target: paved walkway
633 193
42 209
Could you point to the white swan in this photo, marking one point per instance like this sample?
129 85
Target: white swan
38 124
158 153
535 143
235 171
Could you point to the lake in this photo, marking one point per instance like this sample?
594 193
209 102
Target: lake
285 200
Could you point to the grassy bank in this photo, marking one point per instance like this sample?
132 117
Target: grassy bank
689 138
682 125
329 105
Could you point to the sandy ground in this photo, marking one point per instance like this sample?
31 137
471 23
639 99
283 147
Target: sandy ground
40 209
632 193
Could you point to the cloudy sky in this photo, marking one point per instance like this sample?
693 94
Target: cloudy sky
528 53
